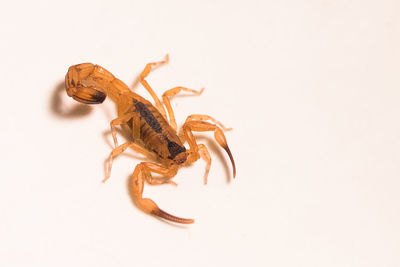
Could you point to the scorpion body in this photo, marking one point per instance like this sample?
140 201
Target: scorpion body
152 134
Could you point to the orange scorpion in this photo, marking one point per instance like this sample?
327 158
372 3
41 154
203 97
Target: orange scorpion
152 134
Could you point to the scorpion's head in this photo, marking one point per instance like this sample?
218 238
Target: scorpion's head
81 87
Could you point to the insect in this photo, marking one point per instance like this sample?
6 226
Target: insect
153 135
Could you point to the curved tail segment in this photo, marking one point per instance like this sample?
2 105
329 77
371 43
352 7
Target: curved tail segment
90 84
80 88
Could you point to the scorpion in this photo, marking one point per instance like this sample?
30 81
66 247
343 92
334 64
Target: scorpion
152 134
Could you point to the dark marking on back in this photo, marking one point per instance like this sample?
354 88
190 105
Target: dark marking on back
174 149
146 114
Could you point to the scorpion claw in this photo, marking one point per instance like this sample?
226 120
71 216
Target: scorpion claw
169 217
232 161
149 206
173 183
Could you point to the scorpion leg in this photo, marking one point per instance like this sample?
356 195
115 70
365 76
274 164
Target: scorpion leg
205 155
172 92
149 67
202 126
124 119
120 149
118 121
207 117
143 172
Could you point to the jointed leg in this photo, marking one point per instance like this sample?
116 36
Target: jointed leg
149 67
120 149
118 121
170 93
207 117
167 174
143 172
124 119
205 155
202 126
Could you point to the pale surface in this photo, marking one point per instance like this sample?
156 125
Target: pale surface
311 89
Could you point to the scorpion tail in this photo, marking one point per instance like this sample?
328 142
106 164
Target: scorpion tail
89 95
84 92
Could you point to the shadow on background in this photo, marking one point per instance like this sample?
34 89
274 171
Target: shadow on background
60 107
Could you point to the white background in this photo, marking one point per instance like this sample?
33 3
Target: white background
311 89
